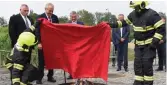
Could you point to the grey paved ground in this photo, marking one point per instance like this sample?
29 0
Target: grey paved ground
115 78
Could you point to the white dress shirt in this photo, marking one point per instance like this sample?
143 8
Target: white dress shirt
74 22
121 31
50 19
29 23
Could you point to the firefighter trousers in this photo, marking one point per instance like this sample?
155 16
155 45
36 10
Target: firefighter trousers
143 63
28 74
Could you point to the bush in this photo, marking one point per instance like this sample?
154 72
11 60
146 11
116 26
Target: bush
5 43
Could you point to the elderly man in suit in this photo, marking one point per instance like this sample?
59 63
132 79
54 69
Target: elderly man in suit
121 40
161 48
49 8
18 23
74 18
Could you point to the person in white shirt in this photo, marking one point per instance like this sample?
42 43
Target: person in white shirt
48 14
18 23
74 18
121 39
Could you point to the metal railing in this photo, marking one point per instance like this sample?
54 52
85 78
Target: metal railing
3 55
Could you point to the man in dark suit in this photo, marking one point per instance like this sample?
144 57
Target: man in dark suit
113 47
121 40
161 49
74 20
18 23
49 8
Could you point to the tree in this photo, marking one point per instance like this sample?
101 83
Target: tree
3 21
87 17
162 15
98 16
106 16
63 19
33 15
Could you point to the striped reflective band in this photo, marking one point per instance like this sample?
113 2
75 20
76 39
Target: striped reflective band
9 58
144 42
148 78
157 35
15 80
32 28
139 78
18 66
141 29
11 53
119 24
128 21
8 65
21 83
158 24
21 49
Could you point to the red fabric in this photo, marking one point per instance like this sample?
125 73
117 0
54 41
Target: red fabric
82 51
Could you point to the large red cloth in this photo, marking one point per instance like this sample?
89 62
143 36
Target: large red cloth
82 51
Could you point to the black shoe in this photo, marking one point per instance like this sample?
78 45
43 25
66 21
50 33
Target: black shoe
113 65
38 82
118 69
51 80
29 84
70 77
126 70
159 69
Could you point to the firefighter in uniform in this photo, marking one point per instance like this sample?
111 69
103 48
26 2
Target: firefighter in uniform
148 31
22 72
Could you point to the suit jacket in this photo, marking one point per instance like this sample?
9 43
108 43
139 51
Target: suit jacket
78 22
117 34
54 20
164 36
16 27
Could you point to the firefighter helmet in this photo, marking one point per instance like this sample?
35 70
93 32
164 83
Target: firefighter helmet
27 38
140 4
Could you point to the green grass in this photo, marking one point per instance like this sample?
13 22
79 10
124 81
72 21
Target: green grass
4 39
130 54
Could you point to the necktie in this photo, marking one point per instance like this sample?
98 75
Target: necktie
50 19
27 25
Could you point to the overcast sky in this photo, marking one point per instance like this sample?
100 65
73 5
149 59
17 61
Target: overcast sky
63 8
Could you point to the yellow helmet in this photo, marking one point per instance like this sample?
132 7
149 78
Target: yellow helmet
141 4
27 38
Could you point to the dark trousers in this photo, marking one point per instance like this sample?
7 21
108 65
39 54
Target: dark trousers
28 75
122 49
143 63
41 64
27 69
161 49
114 53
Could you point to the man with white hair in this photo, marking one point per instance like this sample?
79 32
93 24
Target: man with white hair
49 8
74 18
18 23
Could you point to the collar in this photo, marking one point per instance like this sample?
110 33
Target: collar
23 16
47 16
74 21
